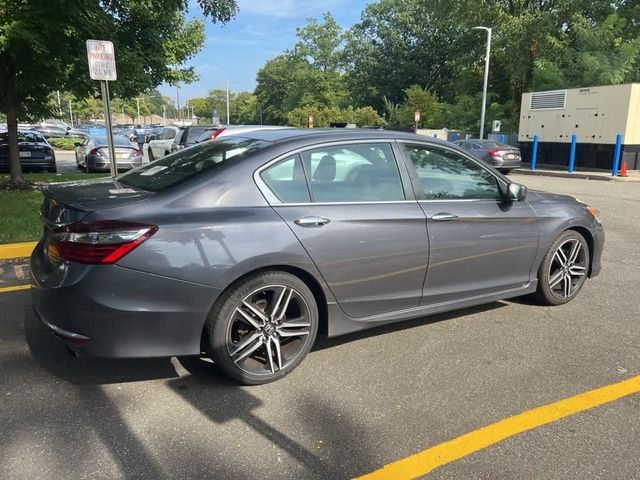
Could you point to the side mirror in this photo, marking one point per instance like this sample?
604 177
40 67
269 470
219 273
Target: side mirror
516 192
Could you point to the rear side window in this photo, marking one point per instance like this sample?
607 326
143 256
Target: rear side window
193 134
286 180
360 172
189 163
168 134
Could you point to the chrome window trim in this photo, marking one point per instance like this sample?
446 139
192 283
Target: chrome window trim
272 199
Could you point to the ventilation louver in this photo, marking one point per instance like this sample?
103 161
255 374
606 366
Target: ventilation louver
547 100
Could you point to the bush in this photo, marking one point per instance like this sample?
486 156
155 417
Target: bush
63 143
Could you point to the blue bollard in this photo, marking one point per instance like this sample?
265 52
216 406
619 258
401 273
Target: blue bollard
454 136
435 135
616 156
534 153
572 155
503 138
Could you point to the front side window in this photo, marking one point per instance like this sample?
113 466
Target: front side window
445 175
168 134
362 172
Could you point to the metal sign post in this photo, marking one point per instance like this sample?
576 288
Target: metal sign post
102 66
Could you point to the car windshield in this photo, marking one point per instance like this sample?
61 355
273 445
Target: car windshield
23 137
194 133
191 162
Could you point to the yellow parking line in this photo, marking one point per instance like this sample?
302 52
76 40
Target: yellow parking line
16 250
422 463
15 288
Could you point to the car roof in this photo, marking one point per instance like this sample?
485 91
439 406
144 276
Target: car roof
334 134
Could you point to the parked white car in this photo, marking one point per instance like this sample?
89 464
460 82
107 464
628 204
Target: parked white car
159 147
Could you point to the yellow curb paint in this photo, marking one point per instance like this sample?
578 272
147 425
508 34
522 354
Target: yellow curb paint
424 462
16 250
15 288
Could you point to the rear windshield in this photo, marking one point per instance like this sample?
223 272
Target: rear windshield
119 141
194 133
168 134
188 163
23 137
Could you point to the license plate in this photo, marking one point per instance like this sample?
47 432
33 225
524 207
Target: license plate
510 156
25 154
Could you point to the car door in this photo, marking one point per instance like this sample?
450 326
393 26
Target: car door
346 204
479 243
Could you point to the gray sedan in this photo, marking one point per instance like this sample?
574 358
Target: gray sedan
499 155
92 154
248 247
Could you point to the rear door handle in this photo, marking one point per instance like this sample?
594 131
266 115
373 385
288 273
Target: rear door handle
312 221
444 217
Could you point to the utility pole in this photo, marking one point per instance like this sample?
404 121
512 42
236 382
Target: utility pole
228 119
178 100
138 107
164 114
486 78
70 113
59 105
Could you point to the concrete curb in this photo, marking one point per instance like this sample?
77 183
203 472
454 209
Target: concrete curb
16 250
580 175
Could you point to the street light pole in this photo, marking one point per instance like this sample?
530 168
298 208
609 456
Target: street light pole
486 78
70 113
138 107
228 121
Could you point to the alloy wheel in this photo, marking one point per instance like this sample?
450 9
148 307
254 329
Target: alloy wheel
268 330
568 269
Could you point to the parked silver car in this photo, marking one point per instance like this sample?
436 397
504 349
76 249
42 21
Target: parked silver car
92 154
499 155
245 248
164 143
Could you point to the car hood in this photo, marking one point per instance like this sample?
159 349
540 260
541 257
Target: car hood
542 196
92 195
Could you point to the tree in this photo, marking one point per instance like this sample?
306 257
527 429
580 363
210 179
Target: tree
42 48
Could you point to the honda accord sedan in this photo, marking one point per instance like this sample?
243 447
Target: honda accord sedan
244 249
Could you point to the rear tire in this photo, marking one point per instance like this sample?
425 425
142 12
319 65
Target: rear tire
563 270
262 327
505 171
150 155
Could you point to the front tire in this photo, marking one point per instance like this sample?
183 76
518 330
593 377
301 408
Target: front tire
262 327
564 269
150 154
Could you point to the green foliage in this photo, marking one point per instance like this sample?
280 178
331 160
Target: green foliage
63 143
324 116
42 48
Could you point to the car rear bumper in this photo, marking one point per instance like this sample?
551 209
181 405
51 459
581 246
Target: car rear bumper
507 164
117 312
29 164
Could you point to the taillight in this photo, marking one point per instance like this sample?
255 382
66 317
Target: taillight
215 134
94 152
136 153
98 242
497 152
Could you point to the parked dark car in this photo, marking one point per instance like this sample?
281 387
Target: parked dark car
499 155
48 131
92 154
245 248
35 152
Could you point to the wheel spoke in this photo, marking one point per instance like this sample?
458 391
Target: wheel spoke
556 279
255 311
567 286
292 333
575 251
578 270
257 342
295 322
276 343
282 304
560 257
270 356
249 318
244 343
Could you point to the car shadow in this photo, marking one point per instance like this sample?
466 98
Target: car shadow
324 342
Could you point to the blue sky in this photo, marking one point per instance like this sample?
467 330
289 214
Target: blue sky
262 30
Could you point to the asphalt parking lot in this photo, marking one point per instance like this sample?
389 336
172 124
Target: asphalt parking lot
356 403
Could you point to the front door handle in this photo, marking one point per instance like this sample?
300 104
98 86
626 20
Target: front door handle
312 221
444 217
